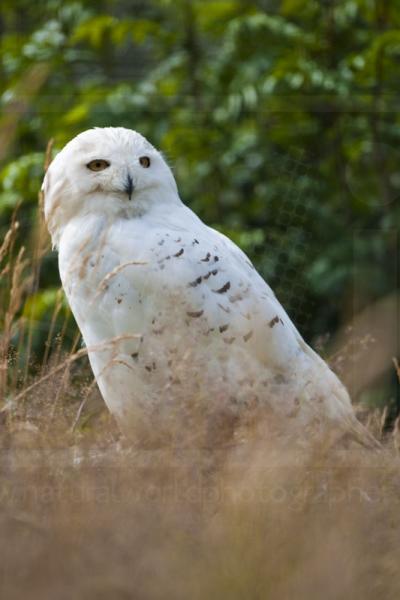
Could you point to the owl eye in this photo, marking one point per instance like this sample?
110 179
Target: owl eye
98 164
145 161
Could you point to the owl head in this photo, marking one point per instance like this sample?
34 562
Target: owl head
110 171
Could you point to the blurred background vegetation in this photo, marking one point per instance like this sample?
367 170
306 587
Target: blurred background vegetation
279 118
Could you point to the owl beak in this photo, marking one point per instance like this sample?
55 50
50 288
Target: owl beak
129 187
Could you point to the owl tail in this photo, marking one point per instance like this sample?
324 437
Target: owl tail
336 403
361 435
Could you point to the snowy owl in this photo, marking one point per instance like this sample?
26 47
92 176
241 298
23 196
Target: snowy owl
168 306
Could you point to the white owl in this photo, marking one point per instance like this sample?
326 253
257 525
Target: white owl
168 306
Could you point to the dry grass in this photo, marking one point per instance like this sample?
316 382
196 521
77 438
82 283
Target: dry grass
96 520
82 516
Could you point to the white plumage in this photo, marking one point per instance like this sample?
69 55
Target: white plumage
165 303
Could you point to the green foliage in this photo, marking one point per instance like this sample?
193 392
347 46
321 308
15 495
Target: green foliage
279 118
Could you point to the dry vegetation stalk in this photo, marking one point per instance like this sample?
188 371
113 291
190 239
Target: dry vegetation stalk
41 245
18 285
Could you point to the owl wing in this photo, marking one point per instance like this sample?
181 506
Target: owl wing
278 342
212 286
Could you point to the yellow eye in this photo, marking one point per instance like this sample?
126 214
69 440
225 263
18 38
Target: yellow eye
98 164
145 161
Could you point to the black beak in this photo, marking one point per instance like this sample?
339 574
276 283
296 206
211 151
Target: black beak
129 186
